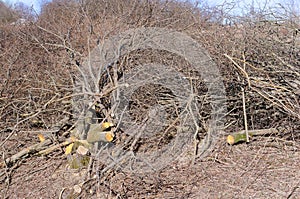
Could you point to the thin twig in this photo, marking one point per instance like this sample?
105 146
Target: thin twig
244 105
245 114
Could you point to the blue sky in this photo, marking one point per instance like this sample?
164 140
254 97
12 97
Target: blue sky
35 4
239 4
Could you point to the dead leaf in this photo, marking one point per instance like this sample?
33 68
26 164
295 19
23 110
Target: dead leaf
41 137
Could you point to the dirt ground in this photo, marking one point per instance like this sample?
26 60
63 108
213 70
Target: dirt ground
267 167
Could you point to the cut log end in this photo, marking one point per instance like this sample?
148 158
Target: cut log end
236 138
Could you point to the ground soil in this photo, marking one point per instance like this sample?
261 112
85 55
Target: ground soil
267 167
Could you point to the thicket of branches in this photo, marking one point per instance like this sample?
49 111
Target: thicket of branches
257 55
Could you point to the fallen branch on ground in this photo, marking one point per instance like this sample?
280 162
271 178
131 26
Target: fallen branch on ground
36 149
241 136
95 134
